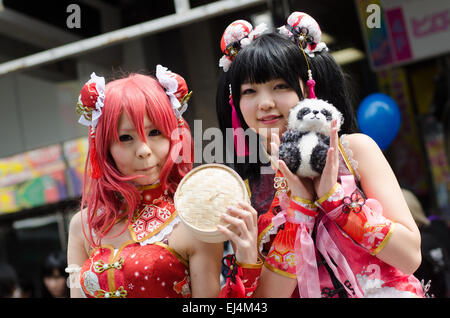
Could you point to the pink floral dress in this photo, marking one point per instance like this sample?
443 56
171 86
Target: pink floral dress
340 266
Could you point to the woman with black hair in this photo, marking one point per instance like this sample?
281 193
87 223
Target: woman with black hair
346 233
9 282
54 277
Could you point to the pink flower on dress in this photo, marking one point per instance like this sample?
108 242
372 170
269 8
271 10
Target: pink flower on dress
164 214
373 235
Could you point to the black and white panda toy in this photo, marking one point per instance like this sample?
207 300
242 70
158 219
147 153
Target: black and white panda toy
305 143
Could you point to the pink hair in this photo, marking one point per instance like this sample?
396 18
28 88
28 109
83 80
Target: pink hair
134 95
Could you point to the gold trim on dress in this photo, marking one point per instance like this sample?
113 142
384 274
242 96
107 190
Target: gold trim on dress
307 202
148 187
259 264
167 222
385 240
112 259
325 197
110 274
260 237
175 253
247 185
346 160
301 200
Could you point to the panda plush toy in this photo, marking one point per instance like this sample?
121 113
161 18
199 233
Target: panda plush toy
305 143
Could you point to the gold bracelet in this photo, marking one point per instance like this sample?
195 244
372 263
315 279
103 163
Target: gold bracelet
301 200
308 203
324 197
259 264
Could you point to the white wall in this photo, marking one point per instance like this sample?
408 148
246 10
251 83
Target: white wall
35 113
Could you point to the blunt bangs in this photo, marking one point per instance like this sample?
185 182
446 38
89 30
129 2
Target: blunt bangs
264 60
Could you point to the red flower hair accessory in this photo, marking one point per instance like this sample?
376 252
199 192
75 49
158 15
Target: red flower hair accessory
237 35
91 100
305 31
89 106
176 89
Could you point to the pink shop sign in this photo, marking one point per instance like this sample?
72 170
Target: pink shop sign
415 30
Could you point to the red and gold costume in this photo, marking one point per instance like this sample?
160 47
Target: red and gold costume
144 266
329 245
242 279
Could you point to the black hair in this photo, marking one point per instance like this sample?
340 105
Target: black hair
8 280
272 56
56 260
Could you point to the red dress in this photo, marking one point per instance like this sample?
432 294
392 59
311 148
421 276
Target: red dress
145 266
344 268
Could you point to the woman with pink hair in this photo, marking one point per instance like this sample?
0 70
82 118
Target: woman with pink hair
126 241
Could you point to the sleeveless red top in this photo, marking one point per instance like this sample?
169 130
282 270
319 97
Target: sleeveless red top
145 266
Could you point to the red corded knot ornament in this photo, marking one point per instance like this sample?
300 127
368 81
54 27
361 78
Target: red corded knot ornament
236 288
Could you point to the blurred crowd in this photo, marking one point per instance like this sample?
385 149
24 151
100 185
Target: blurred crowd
434 270
53 281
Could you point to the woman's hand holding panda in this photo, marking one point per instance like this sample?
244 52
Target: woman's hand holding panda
328 178
299 187
306 188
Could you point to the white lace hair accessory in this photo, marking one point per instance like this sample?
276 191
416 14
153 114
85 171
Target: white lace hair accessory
89 106
303 29
237 35
176 89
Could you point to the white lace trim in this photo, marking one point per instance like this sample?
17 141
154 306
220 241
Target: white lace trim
372 288
163 234
349 153
266 237
301 217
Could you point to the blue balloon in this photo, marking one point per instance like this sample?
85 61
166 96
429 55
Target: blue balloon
379 117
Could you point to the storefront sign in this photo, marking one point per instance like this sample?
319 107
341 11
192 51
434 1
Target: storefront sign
404 31
31 164
42 176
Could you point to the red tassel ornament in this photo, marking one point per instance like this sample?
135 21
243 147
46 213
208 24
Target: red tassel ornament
95 167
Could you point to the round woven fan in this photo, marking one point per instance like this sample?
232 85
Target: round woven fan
204 194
